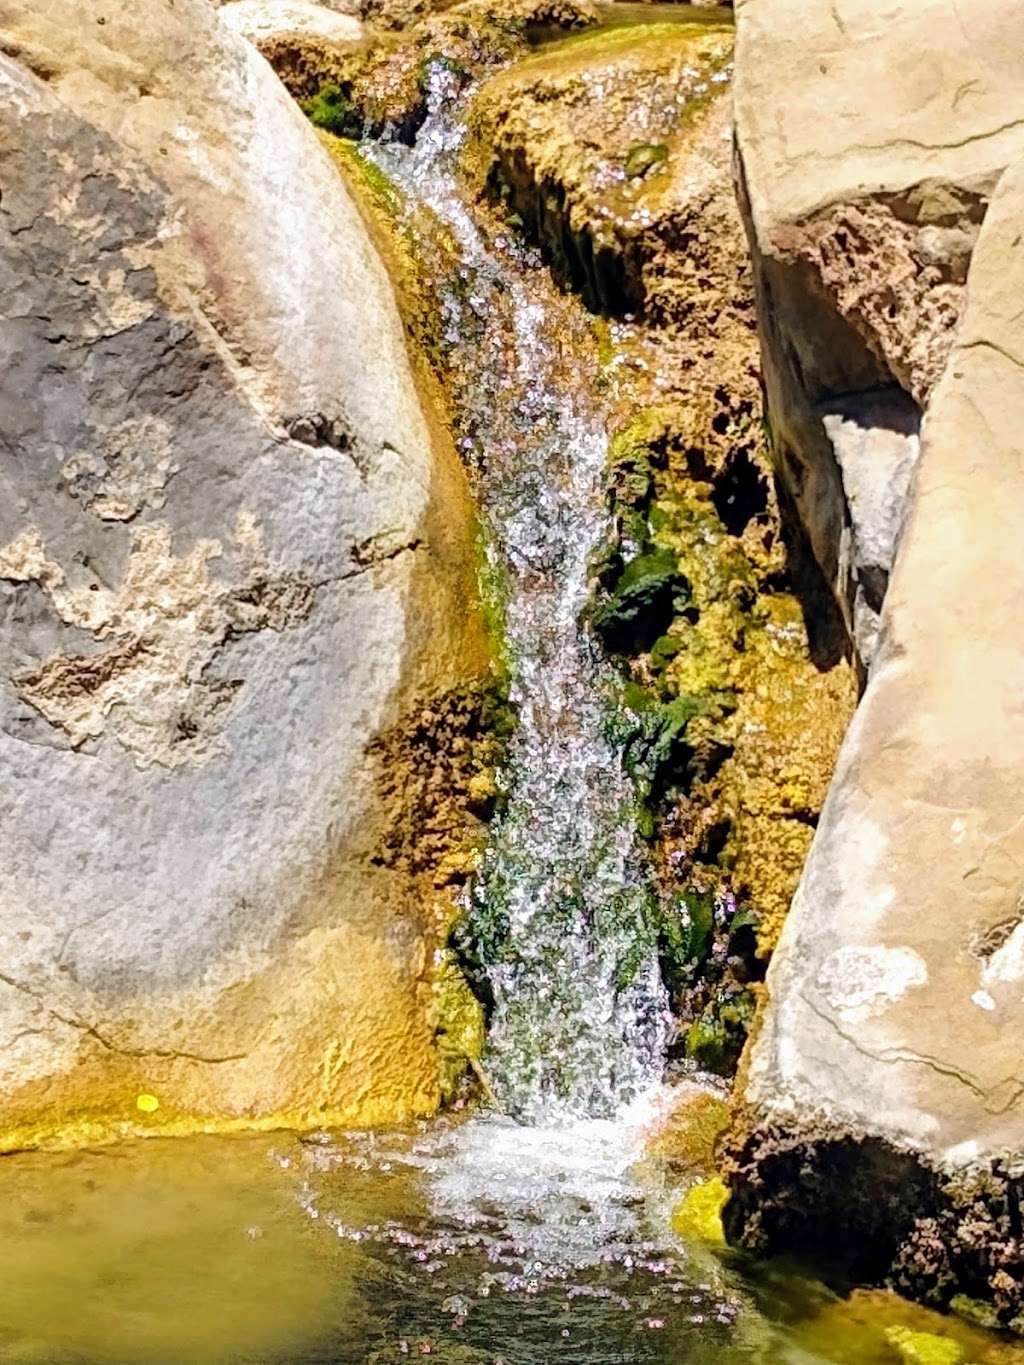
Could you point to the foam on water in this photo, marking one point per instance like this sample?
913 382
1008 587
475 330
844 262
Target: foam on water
580 1019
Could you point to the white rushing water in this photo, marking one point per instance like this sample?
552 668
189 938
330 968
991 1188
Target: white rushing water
580 1020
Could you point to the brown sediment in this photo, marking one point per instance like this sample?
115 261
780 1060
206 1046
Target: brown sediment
869 1212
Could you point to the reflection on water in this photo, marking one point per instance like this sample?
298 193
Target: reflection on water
471 1244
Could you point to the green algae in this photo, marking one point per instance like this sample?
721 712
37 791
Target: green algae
493 588
457 1018
331 108
698 1215
643 157
381 189
640 601
877 1327
974 1311
607 351
924 1348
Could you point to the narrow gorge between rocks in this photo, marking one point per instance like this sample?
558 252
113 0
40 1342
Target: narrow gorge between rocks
509 712
556 922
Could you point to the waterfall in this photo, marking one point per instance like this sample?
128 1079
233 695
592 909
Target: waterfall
580 1019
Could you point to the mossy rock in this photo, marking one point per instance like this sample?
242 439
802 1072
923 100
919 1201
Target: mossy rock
457 1018
698 1215
571 141
332 109
366 176
975 1311
648 593
690 1133
715 1039
643 157
685 934
653 735
924 1348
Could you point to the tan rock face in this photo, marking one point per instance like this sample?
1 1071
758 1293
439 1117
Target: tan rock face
259 19
234 561
870 138
883 1091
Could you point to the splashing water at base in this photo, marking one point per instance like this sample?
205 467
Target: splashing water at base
477 1244
580 1019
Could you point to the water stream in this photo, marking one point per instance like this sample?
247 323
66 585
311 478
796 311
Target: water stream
479 1244
580 1019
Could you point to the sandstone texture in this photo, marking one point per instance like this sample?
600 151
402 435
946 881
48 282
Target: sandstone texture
237 591
870 136
884 1115
257 19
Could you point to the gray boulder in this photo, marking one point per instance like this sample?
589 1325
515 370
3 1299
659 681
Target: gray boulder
234 555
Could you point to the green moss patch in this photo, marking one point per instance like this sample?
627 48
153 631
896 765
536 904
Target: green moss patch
332 109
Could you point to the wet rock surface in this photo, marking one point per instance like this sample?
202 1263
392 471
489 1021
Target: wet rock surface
232 555
612 152
586 144
378 85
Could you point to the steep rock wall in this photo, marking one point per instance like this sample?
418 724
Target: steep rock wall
234 560
882 1096
869 138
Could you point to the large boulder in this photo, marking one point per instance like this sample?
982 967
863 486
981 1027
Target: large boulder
870 136
882 1099
235 575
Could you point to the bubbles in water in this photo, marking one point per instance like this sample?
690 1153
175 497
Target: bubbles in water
580 1019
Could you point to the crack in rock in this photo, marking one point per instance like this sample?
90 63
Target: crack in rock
92 1031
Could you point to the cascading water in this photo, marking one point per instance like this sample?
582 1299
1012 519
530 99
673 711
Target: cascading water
580 1018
